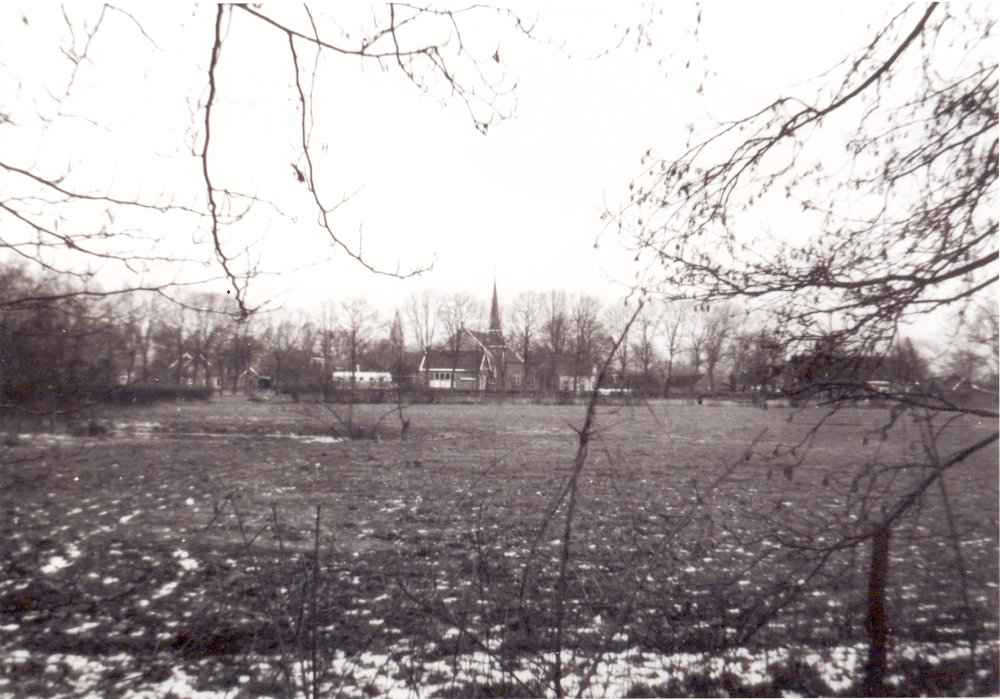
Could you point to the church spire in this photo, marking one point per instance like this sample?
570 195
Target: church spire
494 332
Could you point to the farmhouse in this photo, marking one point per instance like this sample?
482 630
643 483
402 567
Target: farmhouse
460 371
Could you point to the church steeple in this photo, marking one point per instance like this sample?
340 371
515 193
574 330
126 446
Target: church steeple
495 334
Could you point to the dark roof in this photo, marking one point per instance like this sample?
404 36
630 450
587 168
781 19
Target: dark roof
440 360
565 366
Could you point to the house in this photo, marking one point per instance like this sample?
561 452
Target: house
569 376
192 371
961 392
250 381
465 370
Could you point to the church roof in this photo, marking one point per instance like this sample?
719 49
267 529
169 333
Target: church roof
482 338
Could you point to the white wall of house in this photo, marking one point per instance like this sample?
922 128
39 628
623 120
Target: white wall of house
363 379
584 384
439 379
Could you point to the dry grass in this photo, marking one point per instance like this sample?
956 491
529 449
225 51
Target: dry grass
187 537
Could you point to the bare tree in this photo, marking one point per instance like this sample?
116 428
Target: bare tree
646 330
172 341
675 317
140 321
326 324
977 354
210 325
556 322
70 214
585 331
616 319
397 344
985 333
943 180
697 338
555 328
525 319
717 329
282 338
756 357
904 213
459 312
422 314
358 323
245 347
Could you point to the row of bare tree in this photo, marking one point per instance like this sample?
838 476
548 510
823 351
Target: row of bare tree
66 339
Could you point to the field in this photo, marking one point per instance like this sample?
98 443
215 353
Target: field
233 548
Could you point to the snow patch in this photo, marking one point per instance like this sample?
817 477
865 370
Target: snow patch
165 590
185 561
55 563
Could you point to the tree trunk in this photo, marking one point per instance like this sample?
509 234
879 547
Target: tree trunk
876 626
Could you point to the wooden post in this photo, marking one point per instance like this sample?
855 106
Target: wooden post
875 624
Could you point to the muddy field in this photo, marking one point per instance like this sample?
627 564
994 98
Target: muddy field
235 548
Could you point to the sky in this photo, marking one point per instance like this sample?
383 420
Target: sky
521 205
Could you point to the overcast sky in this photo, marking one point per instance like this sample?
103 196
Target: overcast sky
524 202
521 204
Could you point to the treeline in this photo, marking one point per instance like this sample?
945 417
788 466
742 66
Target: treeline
54 340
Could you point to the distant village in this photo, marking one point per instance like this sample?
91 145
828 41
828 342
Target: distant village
534 344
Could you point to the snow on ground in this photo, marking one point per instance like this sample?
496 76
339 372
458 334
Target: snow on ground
377 674
184 560
56 563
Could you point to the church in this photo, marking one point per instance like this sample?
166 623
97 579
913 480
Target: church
483 363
